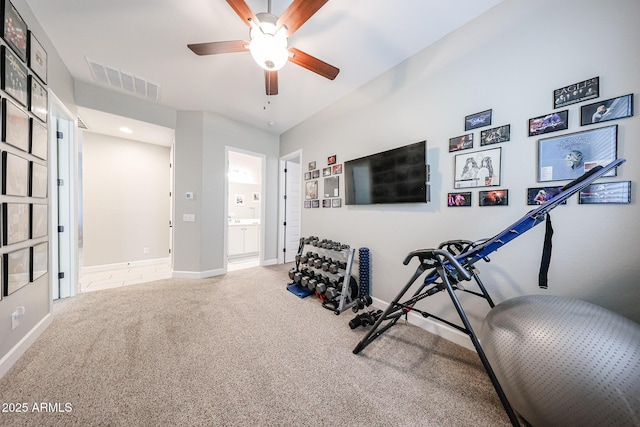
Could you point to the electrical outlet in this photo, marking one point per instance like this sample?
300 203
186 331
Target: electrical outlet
16 316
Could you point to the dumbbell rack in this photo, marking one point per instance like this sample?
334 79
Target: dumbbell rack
324 267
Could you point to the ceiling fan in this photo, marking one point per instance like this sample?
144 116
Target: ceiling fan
268 45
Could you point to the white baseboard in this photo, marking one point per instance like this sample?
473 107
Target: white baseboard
269 262
121 265
435 327
18 350
198 274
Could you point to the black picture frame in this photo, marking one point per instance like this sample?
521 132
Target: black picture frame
38 99
38 180
311 190
14 30
604 111
576 92
15 223
326 203
39 219
16 270
331 160
547 123
462 142
569 156
15 175
606 193
307 204
332 187
336 203
39 260
326 171
315 203
495 135
312 165
13 76
15 125
337 169
477 120
39 139
307 176
537 196
493 198
478 169
459 199
37 58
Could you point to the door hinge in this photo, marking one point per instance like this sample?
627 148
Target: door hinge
61 229
59 135
284 223
61 275
60 182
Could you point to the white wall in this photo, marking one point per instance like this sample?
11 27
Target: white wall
126 200
509 60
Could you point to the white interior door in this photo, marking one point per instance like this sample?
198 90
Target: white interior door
292 210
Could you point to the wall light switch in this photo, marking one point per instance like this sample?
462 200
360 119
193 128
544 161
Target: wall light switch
189 217
188 195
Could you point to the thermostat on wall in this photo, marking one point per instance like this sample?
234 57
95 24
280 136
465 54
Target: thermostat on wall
188 195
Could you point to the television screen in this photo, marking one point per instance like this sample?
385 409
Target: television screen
393 176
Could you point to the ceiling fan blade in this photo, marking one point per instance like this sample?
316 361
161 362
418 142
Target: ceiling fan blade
298 12
313 64
243 10
271 82
214 48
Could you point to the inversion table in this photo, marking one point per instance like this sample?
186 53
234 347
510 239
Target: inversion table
453 262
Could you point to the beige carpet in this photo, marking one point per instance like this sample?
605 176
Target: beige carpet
238 350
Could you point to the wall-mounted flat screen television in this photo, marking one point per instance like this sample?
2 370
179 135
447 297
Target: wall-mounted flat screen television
394 176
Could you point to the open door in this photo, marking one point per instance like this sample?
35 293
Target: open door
291 193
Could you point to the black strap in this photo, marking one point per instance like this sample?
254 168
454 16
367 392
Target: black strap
546 254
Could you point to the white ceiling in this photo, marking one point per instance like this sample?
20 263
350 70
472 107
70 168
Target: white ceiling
149 38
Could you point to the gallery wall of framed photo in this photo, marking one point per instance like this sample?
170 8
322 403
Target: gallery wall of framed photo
322 183
24 202
564 156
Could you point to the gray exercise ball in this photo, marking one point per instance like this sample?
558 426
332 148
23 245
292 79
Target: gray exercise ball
563 361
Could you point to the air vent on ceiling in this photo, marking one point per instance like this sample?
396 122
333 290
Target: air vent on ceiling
81 123
124 81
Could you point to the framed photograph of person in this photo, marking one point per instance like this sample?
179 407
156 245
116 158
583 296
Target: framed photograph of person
37 58
568 157
477 120
539 195
13 76
15 125
331 160
16 270
478 169
307 204
38 137
315 173
337 169
548 123
39 260
611 109
312 165
315 203
495 135
307 176
38 220
311 190
459 199
38 99
336 203
15 223
493 198
15 176
326 171
606 193
326 203
576 92
332 186
462 142
15 30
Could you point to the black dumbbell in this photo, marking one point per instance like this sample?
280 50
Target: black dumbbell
292 272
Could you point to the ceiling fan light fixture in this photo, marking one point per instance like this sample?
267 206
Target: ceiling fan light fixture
268 47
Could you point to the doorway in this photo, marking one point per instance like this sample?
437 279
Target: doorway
290 202
245 209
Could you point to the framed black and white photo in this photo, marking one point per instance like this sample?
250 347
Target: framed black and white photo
477 120
307 176
13 77
493 198
540 195
326 203
39 260
16 270
315 173
548 123
15 125
15 223
14 30
576 92
478 169
311 190
459 199
568 157
462 142
38 99
603 111
336 203
495 135
312 165
606 193
315 203
332 186
37 58
307 204
326 171
15 175
38 183
39 214
39 139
